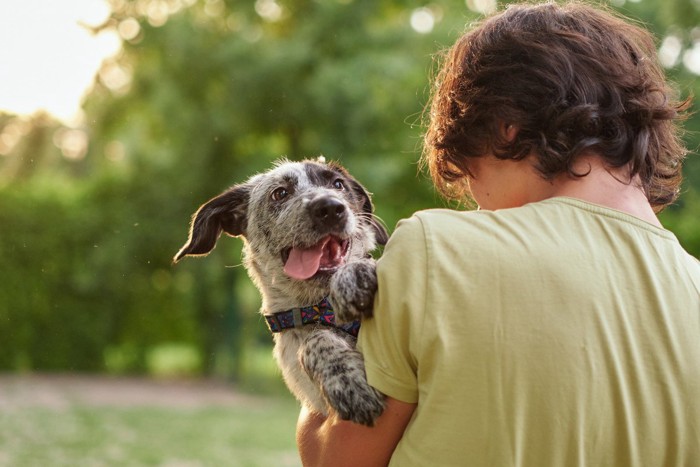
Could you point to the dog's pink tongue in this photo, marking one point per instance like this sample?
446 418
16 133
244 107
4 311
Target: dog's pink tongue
303 263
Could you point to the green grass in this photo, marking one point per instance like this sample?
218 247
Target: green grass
259 434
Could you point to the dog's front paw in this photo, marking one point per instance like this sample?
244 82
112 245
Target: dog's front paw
333 363
356 400
353 288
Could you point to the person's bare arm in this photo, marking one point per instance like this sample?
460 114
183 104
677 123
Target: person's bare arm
333 442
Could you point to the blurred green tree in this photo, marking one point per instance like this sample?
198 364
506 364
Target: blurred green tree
203 95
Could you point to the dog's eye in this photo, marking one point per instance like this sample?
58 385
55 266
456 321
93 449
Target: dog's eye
338 184
279 194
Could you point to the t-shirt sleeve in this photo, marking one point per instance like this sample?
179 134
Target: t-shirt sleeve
389 340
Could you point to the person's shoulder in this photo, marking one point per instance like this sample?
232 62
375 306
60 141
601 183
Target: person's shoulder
455 215
442 220
530 216
439 214
413 233
422 223
444 216
481 228
440 226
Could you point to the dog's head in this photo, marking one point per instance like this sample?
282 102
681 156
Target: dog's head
300 222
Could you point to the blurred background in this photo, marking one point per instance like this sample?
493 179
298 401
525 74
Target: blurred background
119 118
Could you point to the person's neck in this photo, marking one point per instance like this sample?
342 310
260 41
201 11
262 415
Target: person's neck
606 187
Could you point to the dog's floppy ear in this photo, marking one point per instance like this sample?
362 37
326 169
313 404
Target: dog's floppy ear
228 213
380 233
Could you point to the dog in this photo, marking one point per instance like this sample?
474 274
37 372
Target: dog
308 229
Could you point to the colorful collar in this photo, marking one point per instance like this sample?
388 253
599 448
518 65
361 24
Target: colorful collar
321 313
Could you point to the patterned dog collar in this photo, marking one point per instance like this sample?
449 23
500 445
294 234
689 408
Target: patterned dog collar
322 313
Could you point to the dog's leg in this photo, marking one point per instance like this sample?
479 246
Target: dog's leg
331 360
353 288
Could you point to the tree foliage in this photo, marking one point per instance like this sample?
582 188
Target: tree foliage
203 95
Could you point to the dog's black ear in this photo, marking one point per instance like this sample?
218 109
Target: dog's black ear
380 233
228 213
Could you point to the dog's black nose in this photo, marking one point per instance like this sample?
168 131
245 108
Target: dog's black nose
328 211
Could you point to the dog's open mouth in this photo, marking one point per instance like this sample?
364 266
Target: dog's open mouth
325 256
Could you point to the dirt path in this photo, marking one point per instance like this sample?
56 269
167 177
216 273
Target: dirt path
63 391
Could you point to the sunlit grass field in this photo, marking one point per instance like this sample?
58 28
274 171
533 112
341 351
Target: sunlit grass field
102 436
76 421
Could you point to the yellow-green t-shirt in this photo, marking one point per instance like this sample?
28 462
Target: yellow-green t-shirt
559 333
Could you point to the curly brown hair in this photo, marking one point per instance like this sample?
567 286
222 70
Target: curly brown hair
573 79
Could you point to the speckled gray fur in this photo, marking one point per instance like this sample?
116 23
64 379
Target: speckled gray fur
352 290
319 364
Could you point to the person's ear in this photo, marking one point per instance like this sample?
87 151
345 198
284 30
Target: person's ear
508 131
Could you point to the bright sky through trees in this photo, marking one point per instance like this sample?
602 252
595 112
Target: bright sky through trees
48 60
